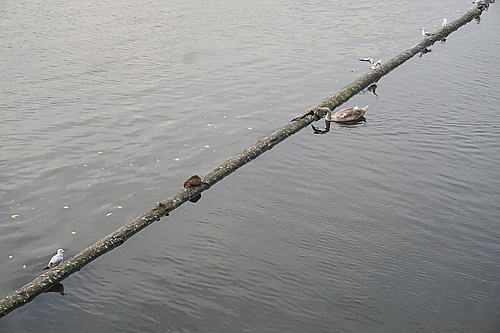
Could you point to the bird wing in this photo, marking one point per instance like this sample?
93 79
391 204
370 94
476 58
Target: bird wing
343 114
349 114
55 260
367 59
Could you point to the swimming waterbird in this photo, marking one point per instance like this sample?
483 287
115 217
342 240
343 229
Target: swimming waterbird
345 115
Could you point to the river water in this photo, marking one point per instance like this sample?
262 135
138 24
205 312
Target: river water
389 225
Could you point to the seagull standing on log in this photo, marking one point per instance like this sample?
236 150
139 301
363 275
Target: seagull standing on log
56 259
373 65
426 33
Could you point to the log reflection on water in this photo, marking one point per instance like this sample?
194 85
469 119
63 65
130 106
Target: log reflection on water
57 288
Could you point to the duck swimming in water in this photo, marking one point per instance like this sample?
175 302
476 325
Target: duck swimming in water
345 115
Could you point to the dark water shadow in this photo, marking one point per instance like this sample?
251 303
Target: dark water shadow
57 288
371 89
317 130
196 198
424 51
353 123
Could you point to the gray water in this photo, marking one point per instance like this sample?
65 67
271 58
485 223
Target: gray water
390 225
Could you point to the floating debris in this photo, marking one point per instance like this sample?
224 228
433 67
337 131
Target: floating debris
166 123
14 216
108 214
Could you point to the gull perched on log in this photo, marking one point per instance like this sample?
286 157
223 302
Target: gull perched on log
373 65
483 4
445 22
426 33
56 259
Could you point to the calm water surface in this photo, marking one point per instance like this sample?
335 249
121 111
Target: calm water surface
390 225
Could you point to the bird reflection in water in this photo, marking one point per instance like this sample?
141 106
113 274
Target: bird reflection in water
424 51
196 198
371 88
354 123
317 130
57 288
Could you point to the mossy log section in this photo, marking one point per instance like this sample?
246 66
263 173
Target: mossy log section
48 279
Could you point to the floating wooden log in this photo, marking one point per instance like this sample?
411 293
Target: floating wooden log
54 276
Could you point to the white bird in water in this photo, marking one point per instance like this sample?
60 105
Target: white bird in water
56 259
345 115
445 22
426 33
373 65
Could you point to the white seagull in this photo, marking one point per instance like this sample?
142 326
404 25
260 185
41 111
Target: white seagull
445 23
373 65
481 3
56 259
426 34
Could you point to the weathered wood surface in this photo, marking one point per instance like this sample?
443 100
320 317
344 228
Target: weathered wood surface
48 279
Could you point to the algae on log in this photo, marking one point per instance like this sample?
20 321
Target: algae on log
48 279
